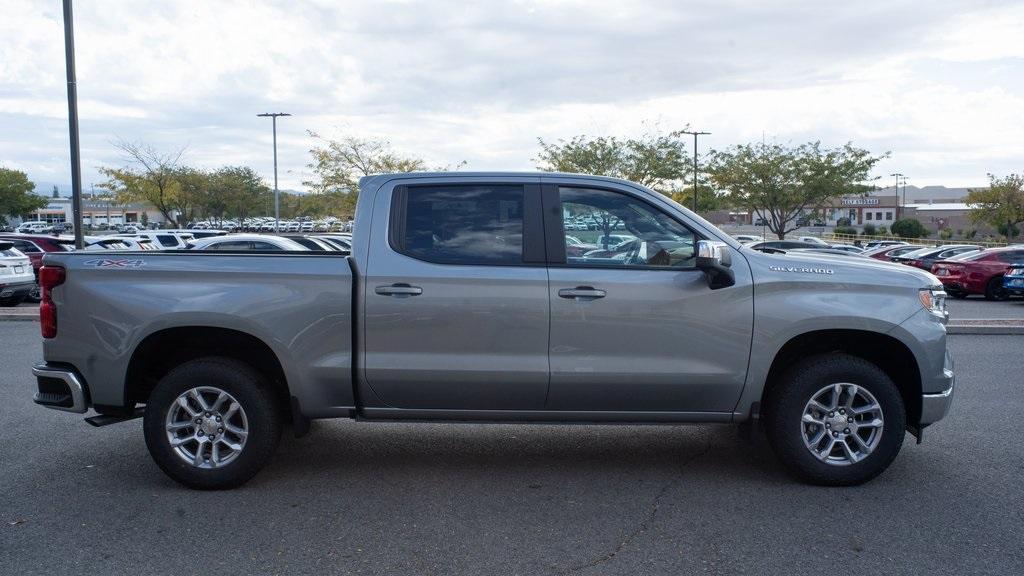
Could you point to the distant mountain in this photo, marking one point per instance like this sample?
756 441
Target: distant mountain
934 194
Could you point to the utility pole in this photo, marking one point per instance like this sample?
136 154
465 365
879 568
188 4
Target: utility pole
695 134
277 195
896 189
76 160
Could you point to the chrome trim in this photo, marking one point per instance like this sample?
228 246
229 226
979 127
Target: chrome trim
78 404
934 407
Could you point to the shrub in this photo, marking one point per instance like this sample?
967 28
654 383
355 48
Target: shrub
970 233
843 222
883 231
847 230
869 230
909 228
945 233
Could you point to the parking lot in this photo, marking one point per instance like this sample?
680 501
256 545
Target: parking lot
355 498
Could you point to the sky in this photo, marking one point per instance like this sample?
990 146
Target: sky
939 85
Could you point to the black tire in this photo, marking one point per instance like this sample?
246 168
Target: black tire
994 290
35 294
957 294
256 398
784 408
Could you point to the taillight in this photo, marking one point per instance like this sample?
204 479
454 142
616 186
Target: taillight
49 278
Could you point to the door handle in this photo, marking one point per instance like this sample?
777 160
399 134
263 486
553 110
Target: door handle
400 290
581 293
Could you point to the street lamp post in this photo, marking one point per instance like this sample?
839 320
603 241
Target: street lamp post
277 196
76 161
695 134
896 189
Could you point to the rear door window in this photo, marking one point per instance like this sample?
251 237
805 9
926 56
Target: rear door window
460 224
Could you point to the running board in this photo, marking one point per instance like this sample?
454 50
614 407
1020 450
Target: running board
108 419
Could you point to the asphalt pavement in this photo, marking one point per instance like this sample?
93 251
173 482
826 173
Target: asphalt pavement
361 498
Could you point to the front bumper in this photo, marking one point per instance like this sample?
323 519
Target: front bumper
935 406
60 389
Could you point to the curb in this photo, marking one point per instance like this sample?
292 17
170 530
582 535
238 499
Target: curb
986 329
5 316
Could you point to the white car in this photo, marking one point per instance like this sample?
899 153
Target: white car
17 279
813 240
748 238
35 228
248 242
163 239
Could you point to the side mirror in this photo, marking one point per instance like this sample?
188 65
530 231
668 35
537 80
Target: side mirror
715 259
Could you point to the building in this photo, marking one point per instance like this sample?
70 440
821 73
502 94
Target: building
96 213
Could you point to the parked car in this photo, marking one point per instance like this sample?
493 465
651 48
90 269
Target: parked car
453 307
248 242
16 277
888 252
311 243
829 250
747 238
1013 281
162 239
97 243
35 228
340 240
847 248
610 240
812 240
576 247
925 257
35 247
879 243
979 272
779 245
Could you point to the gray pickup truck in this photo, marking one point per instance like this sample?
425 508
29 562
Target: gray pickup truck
499 297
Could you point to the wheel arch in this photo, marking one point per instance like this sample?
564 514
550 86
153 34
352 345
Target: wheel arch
161 351
887 352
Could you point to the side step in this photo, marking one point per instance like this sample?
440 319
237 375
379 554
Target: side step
108 419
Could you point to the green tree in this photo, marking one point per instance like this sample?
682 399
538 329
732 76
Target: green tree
656 160
234 190
1001 205
909 228
16 194
780 183
149 176
338 164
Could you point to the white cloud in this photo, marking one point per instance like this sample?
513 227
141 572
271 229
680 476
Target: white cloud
939 84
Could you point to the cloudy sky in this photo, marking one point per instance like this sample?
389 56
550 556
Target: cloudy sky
938 84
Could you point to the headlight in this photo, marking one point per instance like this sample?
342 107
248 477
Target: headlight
934 300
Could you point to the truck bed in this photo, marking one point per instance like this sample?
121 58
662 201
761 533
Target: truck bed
298 304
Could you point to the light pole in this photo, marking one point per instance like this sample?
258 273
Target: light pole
695 134
896 189
277 196
76 160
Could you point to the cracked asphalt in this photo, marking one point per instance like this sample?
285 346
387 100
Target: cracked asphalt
359 498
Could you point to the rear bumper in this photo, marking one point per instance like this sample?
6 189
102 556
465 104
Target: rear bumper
16 289
60 388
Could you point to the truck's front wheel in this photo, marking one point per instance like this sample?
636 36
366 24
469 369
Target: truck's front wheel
835 420
212 423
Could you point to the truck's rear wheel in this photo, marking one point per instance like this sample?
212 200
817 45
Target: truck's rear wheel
212 423
835 420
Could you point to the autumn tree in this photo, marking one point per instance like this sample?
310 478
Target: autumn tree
780 183
149 176
338 164
1001 205
16 194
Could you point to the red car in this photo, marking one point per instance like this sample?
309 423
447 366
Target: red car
34 246
979 272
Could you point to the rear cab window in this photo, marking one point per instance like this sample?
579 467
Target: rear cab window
474 224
